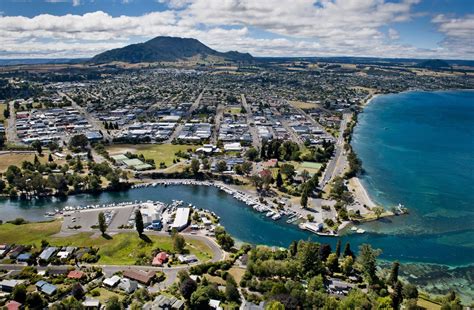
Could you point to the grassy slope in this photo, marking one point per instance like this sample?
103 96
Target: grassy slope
122 249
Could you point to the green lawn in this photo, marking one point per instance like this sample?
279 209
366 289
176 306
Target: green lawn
122 249
157 152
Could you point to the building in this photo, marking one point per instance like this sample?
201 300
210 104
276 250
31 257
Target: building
47 253
13 305
128 286
46 288
141 276
23 258
8 285
76 274
160 259
187 259
112 281
181 219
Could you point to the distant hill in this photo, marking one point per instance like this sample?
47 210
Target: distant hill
167 49
434 64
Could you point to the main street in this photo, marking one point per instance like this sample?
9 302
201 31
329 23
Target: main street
256 142
338 162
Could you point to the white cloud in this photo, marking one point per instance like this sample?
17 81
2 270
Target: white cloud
299 28
76 2
393 34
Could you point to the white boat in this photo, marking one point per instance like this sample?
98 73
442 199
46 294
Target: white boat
276 217
269 213
360 231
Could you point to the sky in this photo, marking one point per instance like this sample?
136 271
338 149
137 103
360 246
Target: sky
371 28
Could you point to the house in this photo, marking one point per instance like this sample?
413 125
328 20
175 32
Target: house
13 305
46 288
23 258
271 163
47 253
215 304
144 277
90 303
66 252
337 286
251 306
160 259
15 251
8 285
112 281
94 136
58 271
165 302
75 274
128 286
187 259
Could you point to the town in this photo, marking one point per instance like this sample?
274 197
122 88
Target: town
275 137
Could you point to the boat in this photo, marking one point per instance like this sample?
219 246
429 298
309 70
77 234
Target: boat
269 213
276 217
360 231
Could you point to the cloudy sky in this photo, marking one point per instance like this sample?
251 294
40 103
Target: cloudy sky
383 28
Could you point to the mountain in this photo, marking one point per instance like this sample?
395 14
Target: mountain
167 49
434 64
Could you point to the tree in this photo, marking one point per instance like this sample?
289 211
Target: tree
35 301
397 296
139 222
195 166
6 113
77 291
378 211
393 278
279 180
304 199
78 143
221 166
246 167
347 265
223 238
274 305
231 291
178 243
37 146
113 304
293 248
332 262
187 287
102 224
305 175
251 154
316 283
348 251
19 293
410 291
338 248
288 170
367 261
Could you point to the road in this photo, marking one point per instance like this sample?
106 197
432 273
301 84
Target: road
12 136
337 163
256 142
311 119
195 104
96 124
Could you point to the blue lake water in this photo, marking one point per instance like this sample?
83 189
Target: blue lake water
417 148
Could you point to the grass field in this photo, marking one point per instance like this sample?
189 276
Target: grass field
121 249
304 105
14 159
428 305
233 110
18 158
158 152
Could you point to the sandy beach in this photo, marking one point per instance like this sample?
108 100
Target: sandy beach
360 193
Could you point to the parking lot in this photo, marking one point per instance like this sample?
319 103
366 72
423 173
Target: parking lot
115 217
